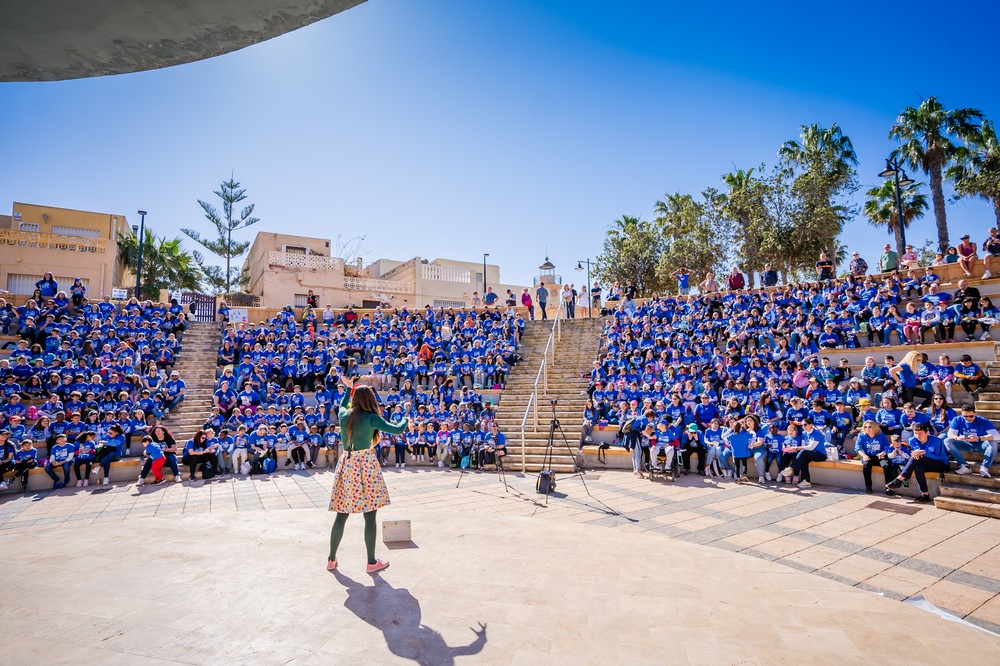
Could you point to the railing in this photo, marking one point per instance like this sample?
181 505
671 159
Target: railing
379 286
548 357
309 261
446 273
524 421
52 241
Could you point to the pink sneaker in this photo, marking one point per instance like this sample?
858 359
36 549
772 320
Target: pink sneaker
331 565
378 566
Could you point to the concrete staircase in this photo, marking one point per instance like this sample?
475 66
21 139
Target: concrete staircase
574 356
197 364
971 493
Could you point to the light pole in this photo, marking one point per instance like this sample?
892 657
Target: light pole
138 272
485 254
893 169
590 298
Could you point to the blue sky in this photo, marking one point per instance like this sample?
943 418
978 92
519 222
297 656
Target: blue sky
450 128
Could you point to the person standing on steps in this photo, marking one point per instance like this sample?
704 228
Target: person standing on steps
358 486
542 296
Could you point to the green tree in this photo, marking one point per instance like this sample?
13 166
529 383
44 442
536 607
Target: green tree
927 136
749 230
690 230
977 169
224 246
880 208
824 166
165 265
632 251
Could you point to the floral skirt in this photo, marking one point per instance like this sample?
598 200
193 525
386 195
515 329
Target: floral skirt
358 486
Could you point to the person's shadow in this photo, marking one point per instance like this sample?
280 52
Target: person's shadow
396 613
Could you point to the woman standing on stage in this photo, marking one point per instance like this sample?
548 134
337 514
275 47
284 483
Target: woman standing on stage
358 486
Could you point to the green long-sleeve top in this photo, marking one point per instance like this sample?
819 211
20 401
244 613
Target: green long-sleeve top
365 427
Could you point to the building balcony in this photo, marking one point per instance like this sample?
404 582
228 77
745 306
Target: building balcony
26 239
378 286
304 261
446 274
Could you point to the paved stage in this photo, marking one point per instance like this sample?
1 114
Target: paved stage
233 572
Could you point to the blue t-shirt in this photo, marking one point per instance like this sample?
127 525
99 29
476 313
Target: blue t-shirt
154 451
60 453
979 426
933 448
871 446
740 442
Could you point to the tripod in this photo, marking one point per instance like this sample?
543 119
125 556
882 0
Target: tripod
554 425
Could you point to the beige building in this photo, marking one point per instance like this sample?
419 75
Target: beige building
68 243
283 268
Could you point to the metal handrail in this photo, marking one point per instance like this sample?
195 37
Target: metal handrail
524 466
543 376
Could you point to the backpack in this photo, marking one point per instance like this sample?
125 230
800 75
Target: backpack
270 466
627 426
246 468
207 470
466 462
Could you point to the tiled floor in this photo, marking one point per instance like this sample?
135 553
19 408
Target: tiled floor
178 539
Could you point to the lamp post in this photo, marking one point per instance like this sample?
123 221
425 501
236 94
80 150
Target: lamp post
138 272
893 169
485 254
590 298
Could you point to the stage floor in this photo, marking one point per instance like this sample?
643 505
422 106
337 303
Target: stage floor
482 582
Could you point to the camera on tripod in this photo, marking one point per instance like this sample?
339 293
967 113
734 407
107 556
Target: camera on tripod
553 402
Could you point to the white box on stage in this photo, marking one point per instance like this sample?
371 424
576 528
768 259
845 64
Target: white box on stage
395 530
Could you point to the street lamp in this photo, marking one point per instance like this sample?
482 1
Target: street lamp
485 254
893 169
138 272
590 297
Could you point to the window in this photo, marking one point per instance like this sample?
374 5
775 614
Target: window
300 300
294 249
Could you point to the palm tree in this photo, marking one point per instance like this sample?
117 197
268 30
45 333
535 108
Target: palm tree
880 208
977 169
165 265
822 148
925 135
828 162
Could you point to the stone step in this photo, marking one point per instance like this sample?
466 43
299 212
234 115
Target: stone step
985 509
974 494
972 480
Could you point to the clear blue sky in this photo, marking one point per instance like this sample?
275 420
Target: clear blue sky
452 128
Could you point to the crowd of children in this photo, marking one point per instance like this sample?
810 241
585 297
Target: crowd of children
86 377
729 377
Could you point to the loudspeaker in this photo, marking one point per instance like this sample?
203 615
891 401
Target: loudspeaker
546 482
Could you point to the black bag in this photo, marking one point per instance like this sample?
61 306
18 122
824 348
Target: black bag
207 470
256 467
546 482
627 426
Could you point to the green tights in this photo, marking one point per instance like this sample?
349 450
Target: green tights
337 533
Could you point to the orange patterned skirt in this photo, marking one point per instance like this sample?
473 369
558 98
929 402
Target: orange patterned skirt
358 486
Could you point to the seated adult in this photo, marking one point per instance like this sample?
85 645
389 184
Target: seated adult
168 447
691 444
196 452
928 454
970 432
873 449
967 255
110 451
